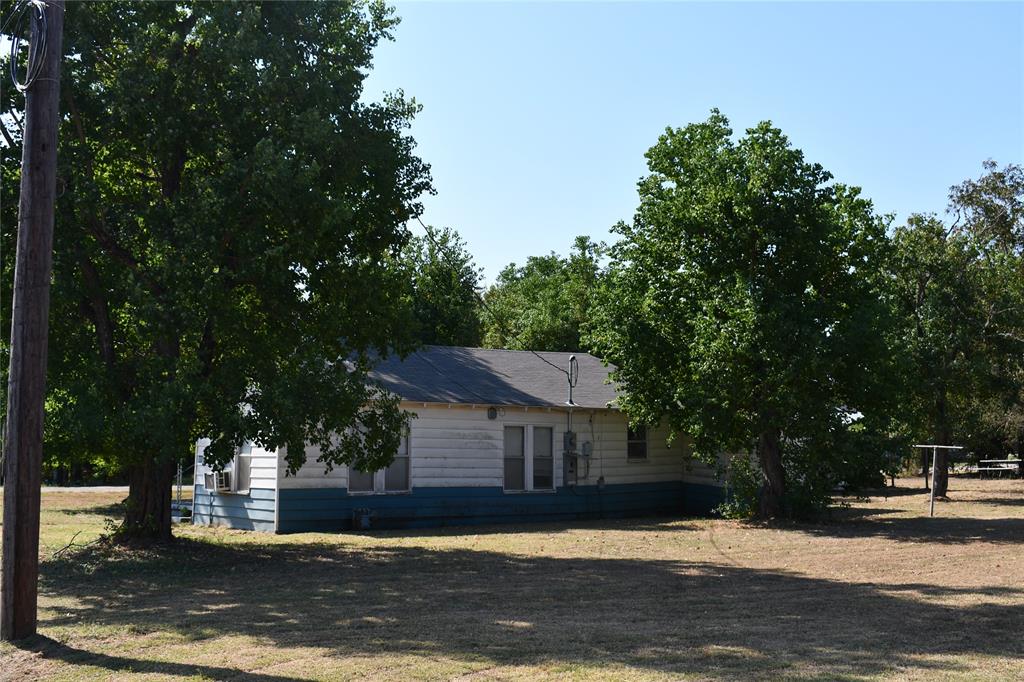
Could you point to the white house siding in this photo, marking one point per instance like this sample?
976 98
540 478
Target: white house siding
459 446
608 431
701 473
252 510
312 474
449 447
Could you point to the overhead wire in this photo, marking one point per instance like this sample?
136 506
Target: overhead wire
10 17
36 47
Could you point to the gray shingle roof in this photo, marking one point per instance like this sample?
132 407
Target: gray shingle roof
483 376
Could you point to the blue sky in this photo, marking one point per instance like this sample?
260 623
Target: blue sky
536 116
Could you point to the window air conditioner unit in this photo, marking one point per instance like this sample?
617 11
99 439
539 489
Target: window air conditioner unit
218 481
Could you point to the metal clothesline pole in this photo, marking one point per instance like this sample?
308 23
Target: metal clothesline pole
931 494
935 457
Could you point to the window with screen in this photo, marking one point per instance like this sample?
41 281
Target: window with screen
394 478
396 475
515 459
360 481
636 442
543 458
529 458
242 471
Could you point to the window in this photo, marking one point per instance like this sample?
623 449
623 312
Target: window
529 458
360 481
396 475
636 442
543 458
515 457
242 470
392 479
236 475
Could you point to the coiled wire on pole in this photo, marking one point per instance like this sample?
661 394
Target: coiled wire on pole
20 20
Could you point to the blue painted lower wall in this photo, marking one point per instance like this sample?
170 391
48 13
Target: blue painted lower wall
251 511
332 509
700 499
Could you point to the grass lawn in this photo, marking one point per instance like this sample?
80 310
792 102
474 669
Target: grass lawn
883 592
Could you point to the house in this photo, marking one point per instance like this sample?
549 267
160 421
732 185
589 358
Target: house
485 445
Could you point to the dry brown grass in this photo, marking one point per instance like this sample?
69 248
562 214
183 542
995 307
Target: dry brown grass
880 593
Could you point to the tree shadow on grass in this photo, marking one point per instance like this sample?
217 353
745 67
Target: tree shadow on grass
1002 501
114 509
483 607
663 523
851 514
889 491
53 650
940 530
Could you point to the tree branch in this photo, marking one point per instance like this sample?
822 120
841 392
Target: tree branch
17 123
94 224
207 349
100 308
60 552
7 135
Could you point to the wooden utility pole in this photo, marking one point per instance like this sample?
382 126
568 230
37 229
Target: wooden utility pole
23 435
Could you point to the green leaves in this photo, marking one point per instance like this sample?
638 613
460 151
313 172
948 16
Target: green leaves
546 303
744 298
959 289
445 283
228 231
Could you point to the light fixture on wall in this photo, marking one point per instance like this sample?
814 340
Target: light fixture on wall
492 413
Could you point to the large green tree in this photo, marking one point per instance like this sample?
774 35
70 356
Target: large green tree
991 210
743 307
445 283
960 294
545 303
230 216
938 297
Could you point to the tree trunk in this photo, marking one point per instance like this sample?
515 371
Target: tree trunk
148 508
943 436
769 453
941 479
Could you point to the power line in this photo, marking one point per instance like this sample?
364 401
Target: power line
563 371
10 17
445 254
